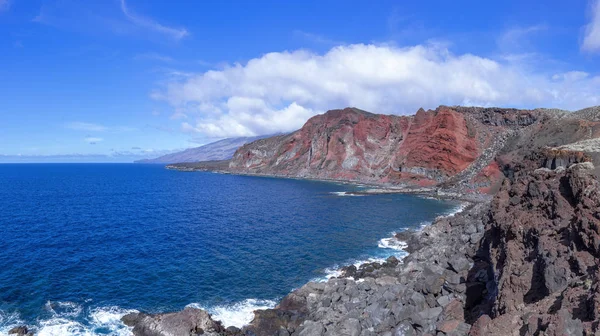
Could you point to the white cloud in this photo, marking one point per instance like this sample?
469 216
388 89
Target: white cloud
571 76
591 40
83 126
280 90
518 38
316 38
91 127
114 156
4 5
178 116
93 140
175 33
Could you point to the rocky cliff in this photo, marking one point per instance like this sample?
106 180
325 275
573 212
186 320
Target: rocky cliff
428 148
523 262
542 244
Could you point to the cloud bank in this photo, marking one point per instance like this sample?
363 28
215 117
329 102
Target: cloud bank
591 41
280 90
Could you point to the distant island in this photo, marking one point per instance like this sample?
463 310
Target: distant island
218 150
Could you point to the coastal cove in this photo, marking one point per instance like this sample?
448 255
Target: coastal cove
85 244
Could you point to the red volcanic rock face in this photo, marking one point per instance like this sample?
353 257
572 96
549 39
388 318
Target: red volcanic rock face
488 179
438 144
351 144
341 144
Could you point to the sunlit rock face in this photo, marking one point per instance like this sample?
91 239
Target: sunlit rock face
427 148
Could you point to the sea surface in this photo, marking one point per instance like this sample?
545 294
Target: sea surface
83 244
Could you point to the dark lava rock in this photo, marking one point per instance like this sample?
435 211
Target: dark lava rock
20 331
542 239
188 322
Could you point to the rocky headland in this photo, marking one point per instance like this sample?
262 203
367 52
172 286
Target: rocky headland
521 259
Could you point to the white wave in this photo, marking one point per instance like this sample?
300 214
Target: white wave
61 327
238 314
392 243
67 320
427 197
9 321
64 309
336 271
344 193
109 318
455 211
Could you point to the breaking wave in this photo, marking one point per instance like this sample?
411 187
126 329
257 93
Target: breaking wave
345 193
238 314
390 243
69 318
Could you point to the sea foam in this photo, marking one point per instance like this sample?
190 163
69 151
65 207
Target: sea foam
72 319
8 321
392 243
344 193
238 314
336 270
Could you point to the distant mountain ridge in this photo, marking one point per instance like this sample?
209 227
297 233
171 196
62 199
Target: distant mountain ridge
218 150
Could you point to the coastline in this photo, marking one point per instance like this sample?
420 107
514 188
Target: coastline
110 317
450 281
421 246
372 187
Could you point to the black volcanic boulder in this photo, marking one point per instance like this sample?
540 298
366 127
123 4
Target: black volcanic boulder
190 321
20 331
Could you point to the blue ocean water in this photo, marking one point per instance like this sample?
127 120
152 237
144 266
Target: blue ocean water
82 244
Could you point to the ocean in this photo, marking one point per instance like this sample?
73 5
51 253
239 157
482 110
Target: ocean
83 244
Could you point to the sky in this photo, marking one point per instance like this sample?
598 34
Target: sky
120 80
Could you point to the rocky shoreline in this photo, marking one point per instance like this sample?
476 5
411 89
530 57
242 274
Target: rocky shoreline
409 297
525 261
372 188
466 274
522 263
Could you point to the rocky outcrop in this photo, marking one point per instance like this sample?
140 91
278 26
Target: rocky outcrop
425 149
503 117
543 245
562 158
20 331
190 321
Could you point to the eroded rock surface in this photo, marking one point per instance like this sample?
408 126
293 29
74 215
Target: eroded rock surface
425 149
543 243
190 321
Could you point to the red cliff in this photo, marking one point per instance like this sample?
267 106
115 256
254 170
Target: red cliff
350 144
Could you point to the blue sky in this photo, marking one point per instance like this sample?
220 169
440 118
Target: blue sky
117 80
